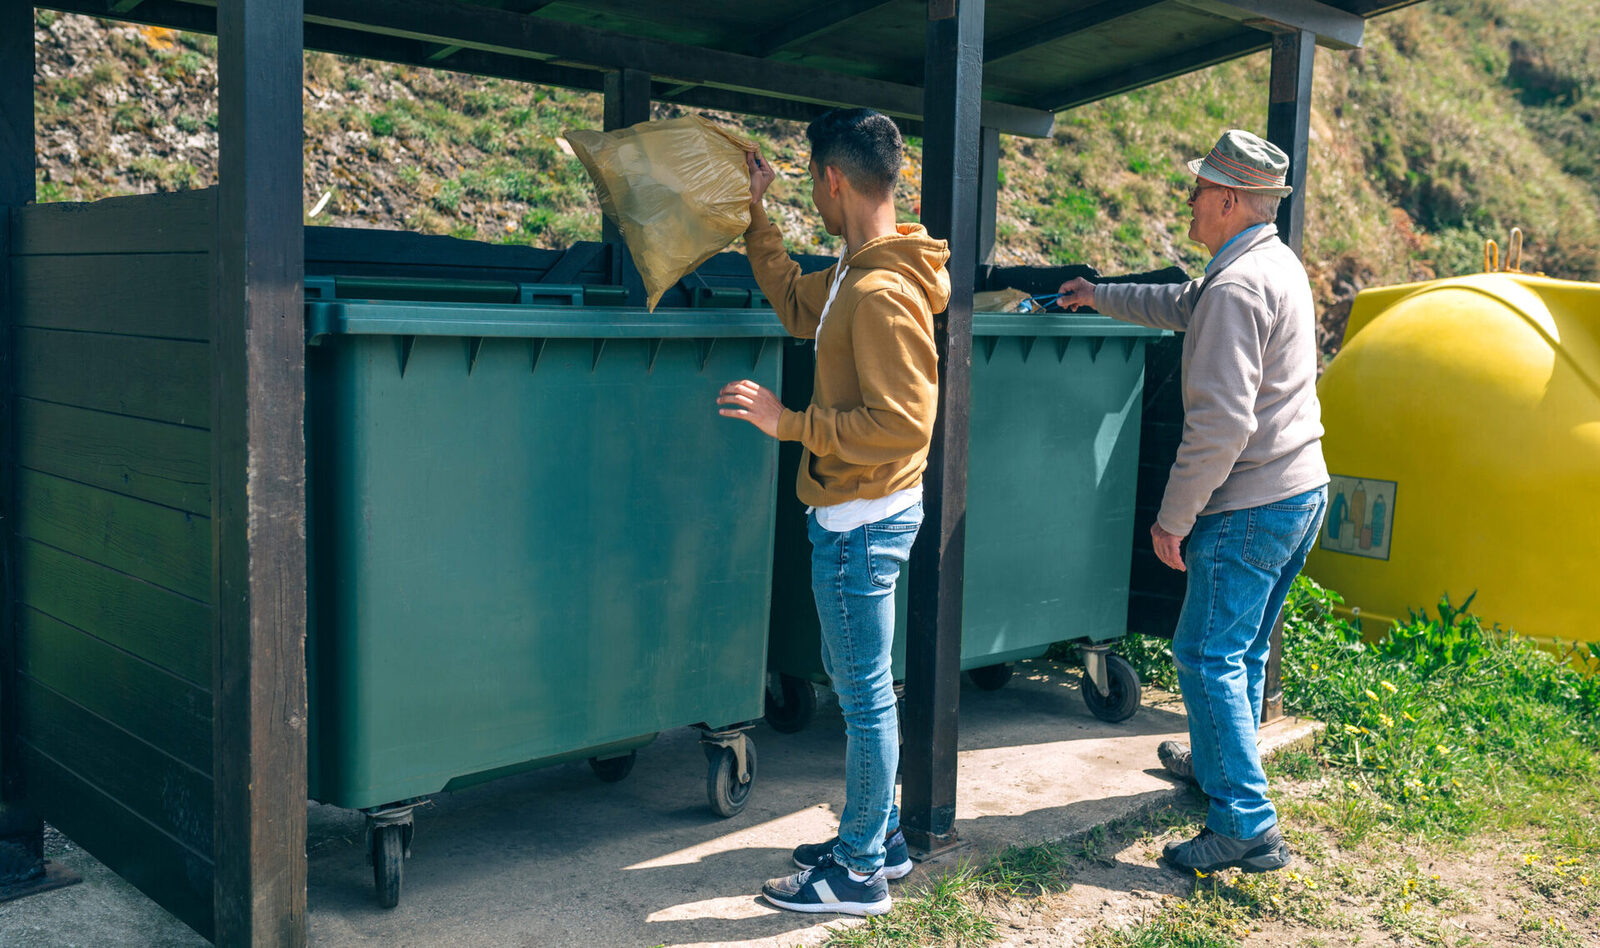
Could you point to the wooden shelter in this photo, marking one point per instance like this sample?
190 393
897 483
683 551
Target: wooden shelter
153 697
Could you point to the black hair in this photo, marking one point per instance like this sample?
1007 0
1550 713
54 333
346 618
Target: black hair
864 145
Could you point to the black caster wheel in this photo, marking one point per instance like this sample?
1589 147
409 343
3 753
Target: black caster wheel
990 677
791 705
388 863
1123 697
726 794
613 769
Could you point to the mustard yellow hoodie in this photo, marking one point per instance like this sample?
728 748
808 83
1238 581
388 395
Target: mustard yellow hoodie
876 383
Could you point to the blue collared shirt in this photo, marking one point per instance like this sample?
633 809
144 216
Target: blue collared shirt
1224 248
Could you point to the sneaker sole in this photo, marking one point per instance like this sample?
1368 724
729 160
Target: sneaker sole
835 908
1256 864
889 872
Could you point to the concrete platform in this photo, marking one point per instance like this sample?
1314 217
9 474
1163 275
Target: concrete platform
557 858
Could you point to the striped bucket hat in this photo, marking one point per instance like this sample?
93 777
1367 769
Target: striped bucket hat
1242 160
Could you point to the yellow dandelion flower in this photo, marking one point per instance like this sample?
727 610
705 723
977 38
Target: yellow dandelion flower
1408 717
1365 731
1314 666
1310 884
1201 874
1583 880
1385 720
1406 907
1388 687
1529 859
1443 750
1560 872
1352 785
1371 695
1436 877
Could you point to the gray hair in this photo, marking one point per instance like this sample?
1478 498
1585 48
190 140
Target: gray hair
1262 207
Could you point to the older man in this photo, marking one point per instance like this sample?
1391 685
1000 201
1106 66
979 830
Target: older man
1248 488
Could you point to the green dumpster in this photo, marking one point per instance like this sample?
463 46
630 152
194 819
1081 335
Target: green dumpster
1053 451
532 539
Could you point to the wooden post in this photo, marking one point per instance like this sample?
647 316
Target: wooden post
988 193
953 84
21 832
1289 127
258 480
1289 123
627 102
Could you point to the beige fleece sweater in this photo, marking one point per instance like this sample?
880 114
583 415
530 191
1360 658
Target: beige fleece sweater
1252 426
876 382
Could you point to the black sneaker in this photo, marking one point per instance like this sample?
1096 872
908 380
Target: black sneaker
827 887
1177 760
1210 851
897 862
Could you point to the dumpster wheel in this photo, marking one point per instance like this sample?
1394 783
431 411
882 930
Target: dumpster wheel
792 707
990 677
726 793
388 862
613 769
1121 688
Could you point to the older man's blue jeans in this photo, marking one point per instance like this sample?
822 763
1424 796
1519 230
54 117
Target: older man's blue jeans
853 575
1241 564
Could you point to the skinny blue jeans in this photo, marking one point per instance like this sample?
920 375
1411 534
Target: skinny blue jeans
1241 564
853 575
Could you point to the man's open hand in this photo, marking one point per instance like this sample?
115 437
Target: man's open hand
761 175
1167 547
745 399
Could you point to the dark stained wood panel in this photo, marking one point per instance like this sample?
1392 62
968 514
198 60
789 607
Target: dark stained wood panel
181 222
146 294
156 706
155 624
170 794
163 868
162 463
167 547
159 379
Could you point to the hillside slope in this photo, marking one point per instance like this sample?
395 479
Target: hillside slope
1458 120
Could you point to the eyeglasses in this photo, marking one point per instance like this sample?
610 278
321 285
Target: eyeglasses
1194 192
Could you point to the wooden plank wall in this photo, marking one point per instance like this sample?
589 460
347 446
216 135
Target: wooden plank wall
113 537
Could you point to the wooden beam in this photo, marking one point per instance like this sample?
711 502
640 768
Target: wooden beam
627 102
1289 124
950 162
1156 70
813 23
521 67
1334 28
21 832
474 27
988 194
258 477
1065 25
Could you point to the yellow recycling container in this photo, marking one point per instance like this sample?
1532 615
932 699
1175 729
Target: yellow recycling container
1463 436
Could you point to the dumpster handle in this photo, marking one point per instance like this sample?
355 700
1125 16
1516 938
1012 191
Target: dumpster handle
1491 256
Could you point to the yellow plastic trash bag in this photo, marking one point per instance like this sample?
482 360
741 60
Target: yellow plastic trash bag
678 190
998 301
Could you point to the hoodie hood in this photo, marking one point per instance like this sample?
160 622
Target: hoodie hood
910 252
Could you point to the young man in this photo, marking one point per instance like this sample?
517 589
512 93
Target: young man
865 437
1248 488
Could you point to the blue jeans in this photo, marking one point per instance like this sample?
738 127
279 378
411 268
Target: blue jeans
1241 564
853 576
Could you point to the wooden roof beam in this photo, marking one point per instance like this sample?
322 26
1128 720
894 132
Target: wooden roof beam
824 19
1061 26
495 31
1156 71
1334 28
